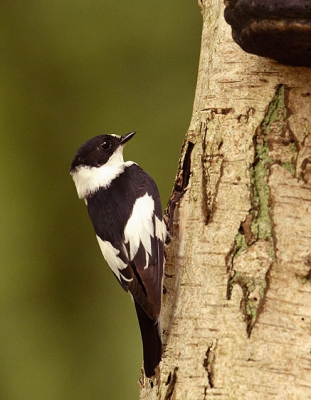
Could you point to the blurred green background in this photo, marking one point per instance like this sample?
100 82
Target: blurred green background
71 70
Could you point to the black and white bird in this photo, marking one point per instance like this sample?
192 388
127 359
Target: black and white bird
124 206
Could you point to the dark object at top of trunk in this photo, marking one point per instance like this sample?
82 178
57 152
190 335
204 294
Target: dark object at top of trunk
276 29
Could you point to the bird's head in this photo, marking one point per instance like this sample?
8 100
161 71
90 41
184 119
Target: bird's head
98 162
100 150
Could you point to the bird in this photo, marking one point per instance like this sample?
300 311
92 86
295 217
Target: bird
125 209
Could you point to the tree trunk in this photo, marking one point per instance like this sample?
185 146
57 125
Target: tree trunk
236 317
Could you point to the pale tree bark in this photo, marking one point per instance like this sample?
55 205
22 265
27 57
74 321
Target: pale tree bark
237 315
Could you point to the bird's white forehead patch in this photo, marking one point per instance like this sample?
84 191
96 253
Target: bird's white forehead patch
111 256
89 179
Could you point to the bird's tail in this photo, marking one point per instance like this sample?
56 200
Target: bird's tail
151 338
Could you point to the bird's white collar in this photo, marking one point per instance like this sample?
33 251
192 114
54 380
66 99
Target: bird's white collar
89 179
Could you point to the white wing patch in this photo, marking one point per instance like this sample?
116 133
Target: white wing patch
89 179
140 227
160 229
111 256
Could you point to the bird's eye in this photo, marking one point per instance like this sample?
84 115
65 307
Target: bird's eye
106 145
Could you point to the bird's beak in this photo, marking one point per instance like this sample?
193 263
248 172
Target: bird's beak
126 137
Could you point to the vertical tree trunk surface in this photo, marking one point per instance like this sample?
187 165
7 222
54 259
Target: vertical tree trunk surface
237 315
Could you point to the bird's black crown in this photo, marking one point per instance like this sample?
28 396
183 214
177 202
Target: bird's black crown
96 152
